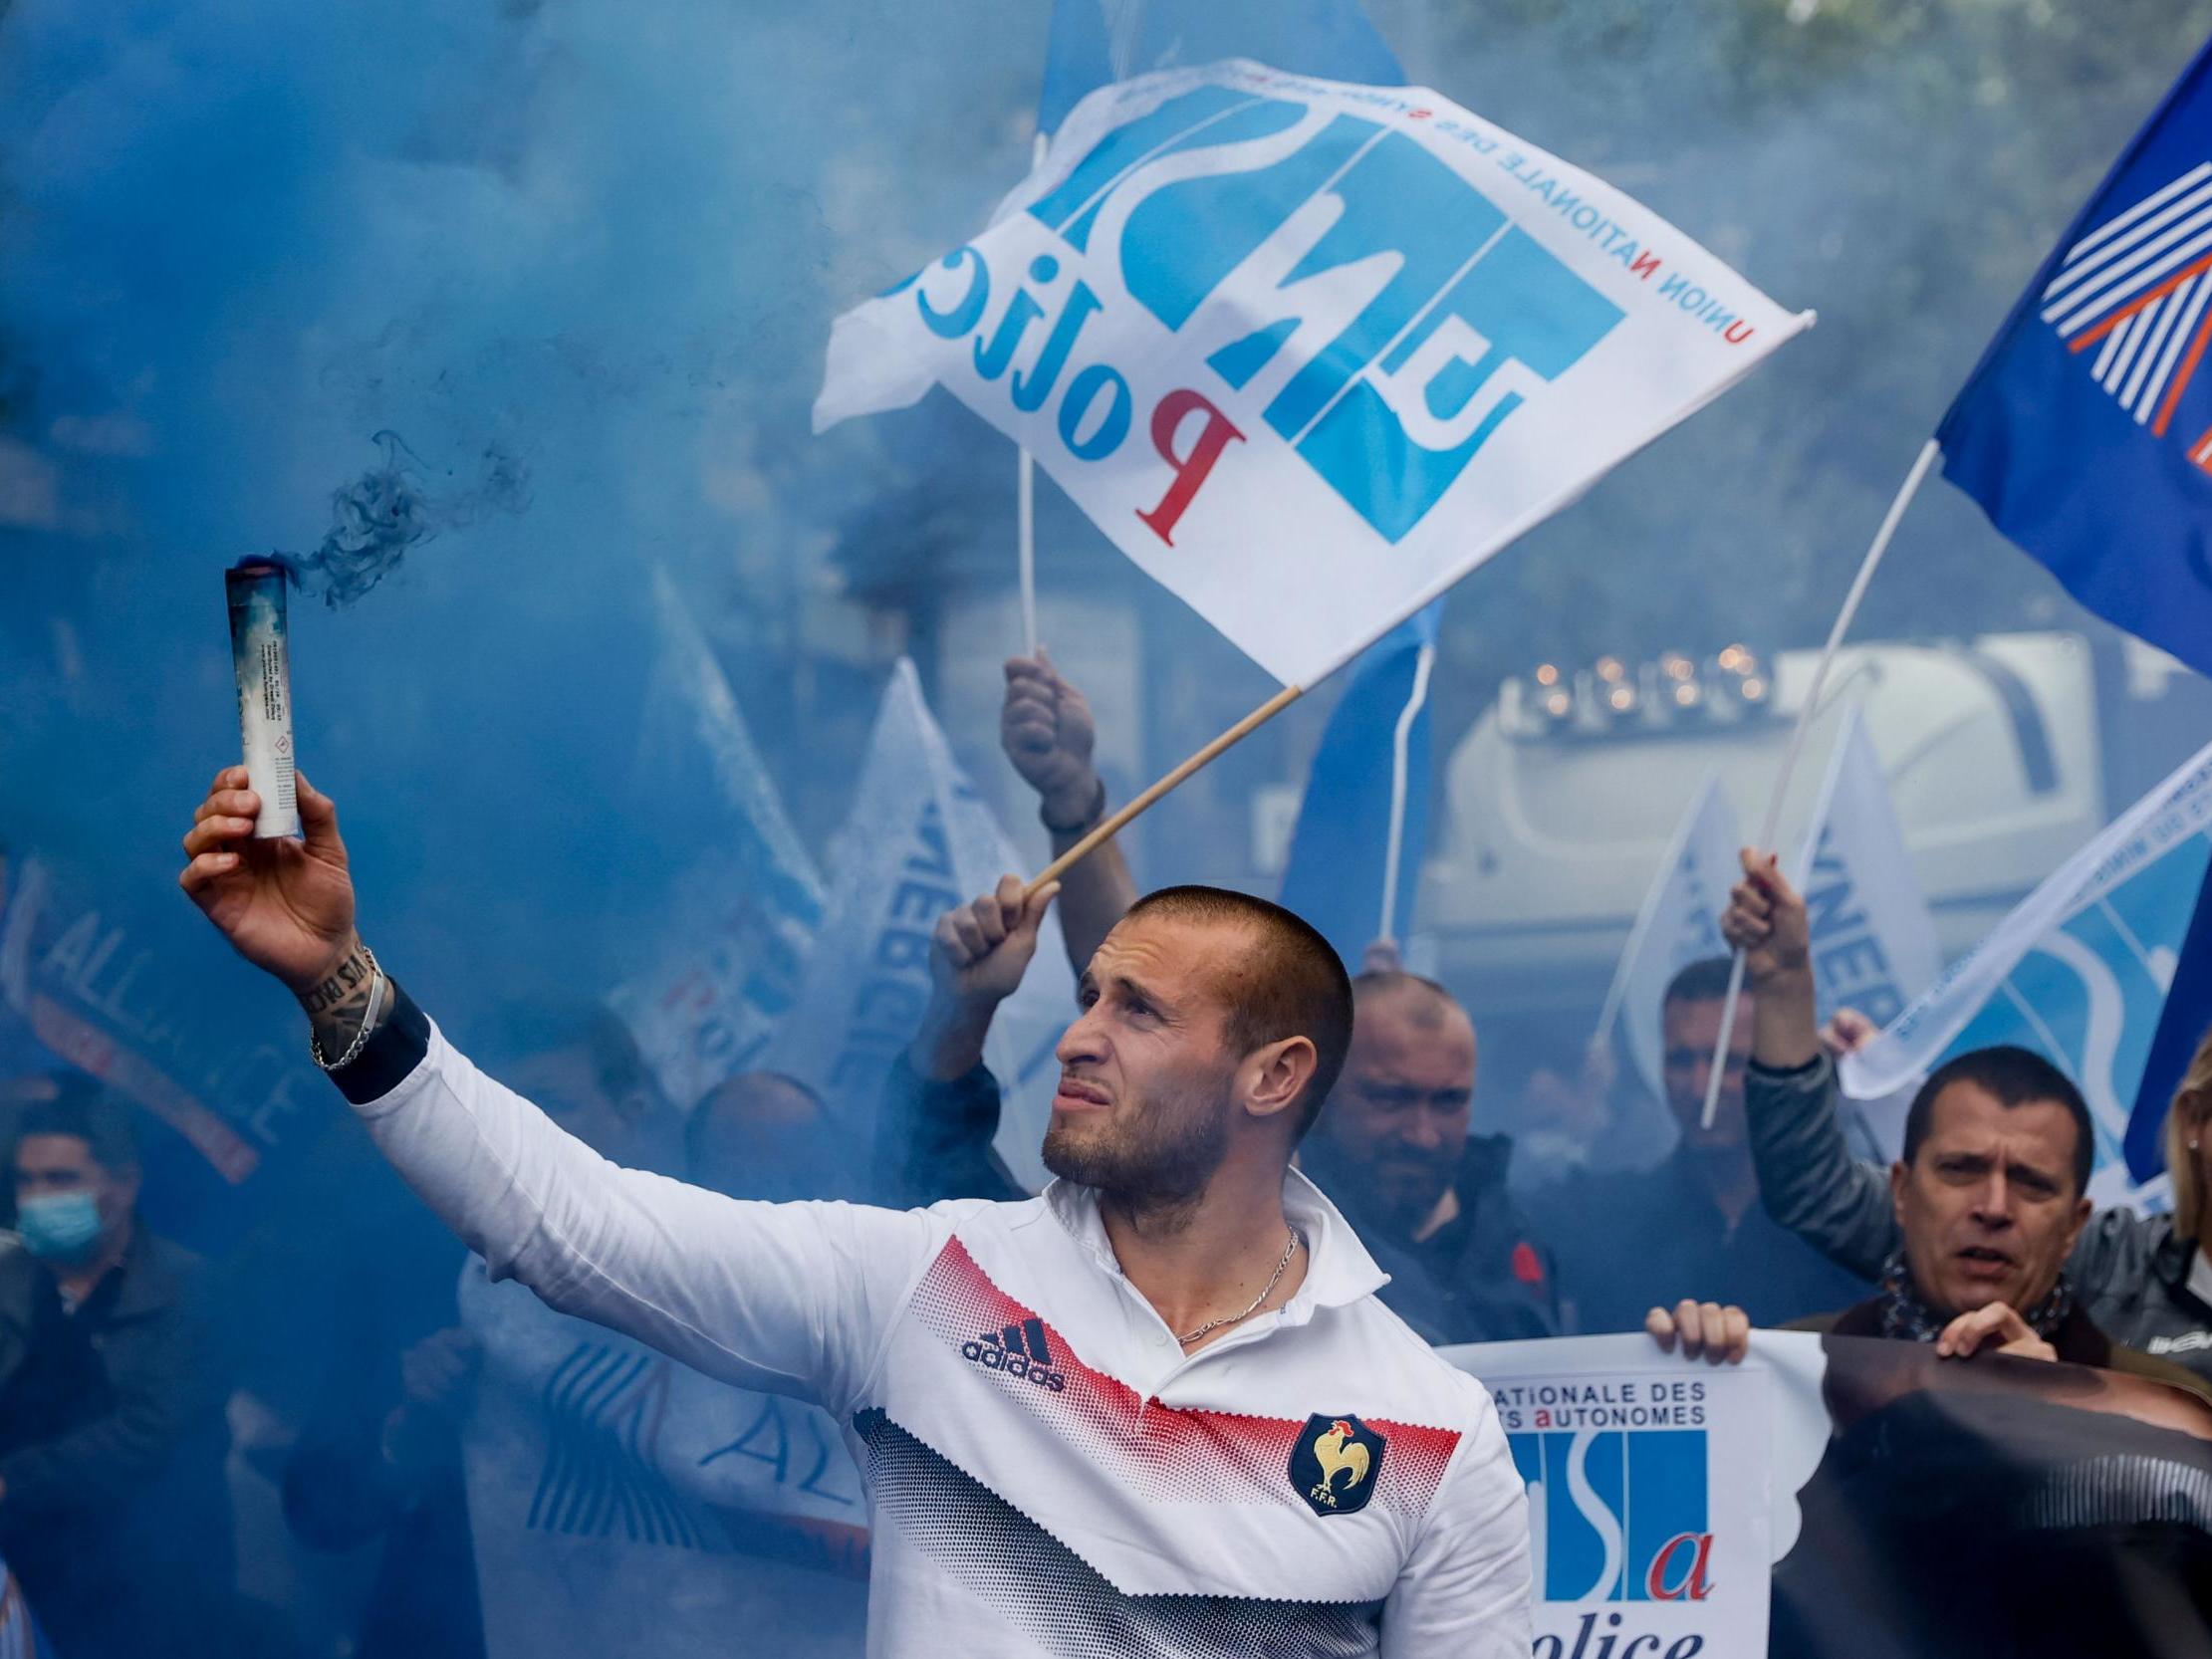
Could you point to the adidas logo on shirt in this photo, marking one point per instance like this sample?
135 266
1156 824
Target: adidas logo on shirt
1020 1350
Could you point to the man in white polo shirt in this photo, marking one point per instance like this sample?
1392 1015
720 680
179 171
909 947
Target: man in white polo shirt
1157 1411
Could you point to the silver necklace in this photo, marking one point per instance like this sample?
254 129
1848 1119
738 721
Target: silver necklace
1290 1249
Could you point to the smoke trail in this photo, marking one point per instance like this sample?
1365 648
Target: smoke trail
383 514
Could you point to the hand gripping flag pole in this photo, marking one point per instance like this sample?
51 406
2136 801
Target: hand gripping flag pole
1770 825
1115 822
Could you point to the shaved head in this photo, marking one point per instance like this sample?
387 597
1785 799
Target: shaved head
1421 1003
1289 984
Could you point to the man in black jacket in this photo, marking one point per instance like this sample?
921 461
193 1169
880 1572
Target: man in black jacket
1693 1226
114 1513
2144 1279
1392 1148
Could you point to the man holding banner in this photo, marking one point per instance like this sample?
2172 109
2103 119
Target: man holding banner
1212 1437
2133 1274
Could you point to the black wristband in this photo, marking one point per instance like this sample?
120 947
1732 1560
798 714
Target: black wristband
1096 812
393 1050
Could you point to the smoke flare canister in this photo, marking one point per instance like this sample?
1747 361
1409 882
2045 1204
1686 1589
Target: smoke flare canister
255 590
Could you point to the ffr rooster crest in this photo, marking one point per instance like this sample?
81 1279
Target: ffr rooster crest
1336 1461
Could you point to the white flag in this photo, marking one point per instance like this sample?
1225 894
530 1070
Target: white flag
1679 923
1308 351
2077 972
709 981
1874 941
920 842
620 1503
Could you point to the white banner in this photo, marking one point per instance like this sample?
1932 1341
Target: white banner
2079 971
1660 1490
1308 351
1679 923
919 842
1847 1496
1874 941
619 1499
710 981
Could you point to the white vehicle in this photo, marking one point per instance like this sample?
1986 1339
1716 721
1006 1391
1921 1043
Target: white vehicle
1559 803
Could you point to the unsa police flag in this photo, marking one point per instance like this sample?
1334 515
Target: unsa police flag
1310 352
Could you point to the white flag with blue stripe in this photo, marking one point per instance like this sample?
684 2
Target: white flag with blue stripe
1873 942
2078 972
1677 924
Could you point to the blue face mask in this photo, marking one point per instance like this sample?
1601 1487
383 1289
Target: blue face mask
59 1226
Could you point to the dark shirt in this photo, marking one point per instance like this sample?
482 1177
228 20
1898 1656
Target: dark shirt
1995 1520
1629 1242
2130 1271
1482 1277
2078 1341
394 1286
116 1516
933 1140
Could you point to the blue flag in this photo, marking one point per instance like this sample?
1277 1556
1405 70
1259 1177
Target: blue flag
1096 43
2182 1025
2086 431
1341 858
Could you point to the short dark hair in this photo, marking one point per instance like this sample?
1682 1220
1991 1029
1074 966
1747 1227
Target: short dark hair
2015 1077
1294 985
84 1110
1702 980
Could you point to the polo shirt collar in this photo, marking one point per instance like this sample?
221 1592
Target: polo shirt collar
1338 1269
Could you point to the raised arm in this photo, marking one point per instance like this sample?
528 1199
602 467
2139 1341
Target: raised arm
1046 729
940 1106
792 1297
1808 1178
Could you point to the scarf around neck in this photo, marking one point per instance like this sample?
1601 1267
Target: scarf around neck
1906 1317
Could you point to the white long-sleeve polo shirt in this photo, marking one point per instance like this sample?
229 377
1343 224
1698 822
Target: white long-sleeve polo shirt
1047 1474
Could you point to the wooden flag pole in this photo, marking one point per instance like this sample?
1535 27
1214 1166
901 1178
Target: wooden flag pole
1117 822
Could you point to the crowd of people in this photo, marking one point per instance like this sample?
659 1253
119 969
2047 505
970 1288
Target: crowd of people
115 1497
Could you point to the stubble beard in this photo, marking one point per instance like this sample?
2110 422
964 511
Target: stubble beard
1152 1167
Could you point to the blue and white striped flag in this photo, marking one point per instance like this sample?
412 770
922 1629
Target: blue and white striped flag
2086 431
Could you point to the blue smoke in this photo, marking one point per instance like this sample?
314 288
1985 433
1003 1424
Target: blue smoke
584 257
387 511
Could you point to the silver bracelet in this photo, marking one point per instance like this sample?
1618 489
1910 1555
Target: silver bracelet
367 1022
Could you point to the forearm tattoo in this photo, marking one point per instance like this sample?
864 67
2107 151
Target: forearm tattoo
337 1005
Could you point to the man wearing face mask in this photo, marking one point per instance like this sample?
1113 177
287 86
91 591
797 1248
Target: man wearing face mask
113 1515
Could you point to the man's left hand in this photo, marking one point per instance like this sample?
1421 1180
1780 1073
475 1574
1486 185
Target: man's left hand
1969 1334
1721 1335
